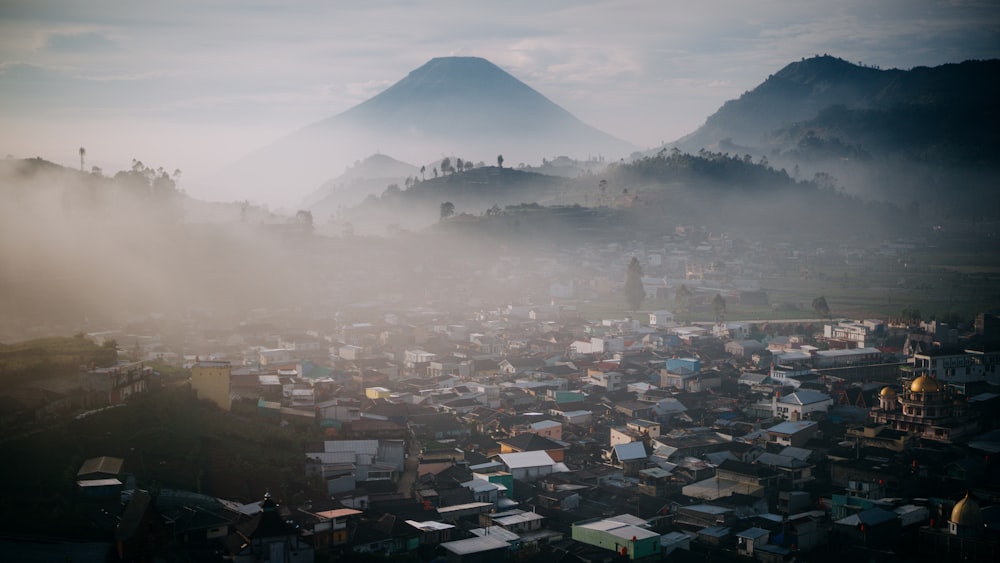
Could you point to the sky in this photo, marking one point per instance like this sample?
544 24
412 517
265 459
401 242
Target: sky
196 84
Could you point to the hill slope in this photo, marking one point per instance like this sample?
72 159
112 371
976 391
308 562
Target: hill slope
883 134
964 93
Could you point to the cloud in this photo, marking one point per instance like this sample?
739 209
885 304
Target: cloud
79 42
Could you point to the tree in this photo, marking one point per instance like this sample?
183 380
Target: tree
683 297
422 170
459 165
447 209
468 165
499 161
719 306
304 217
83 152
821 307
634 291
445 165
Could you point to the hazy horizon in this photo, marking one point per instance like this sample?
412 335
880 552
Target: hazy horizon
197 87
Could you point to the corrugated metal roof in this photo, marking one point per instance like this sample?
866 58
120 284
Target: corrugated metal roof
369 447
429 526
475 545
99 483
338 513
521 460
631 451
103 464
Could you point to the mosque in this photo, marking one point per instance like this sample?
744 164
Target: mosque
926 409
968 537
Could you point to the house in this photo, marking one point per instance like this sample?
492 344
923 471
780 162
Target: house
576 417
611 380
343 464
792 473
749 538
516 521
744 349
268 537
336 528
660 318
800 404
115 385
528 466
211 381
548 428
529 442
744 478
626 539
484 549
142 534
793 432
631 457
635 409
874 528
100 477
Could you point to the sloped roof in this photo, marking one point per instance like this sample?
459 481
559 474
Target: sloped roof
530 442
132 516
475 545
792 426
522 460
631 451
805 397
103 464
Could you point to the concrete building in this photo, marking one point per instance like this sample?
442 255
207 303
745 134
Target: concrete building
625 539
211 381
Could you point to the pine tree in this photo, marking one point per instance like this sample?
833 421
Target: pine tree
634 291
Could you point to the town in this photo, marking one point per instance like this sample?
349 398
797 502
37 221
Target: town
523 431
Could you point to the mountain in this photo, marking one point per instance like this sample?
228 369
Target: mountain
882 134
964 96
369 176
451 105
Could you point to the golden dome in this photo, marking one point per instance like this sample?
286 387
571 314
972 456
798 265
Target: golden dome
926 384
887 392
966 512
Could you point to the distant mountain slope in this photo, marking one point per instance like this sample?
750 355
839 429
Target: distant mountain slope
861 106
926 135
369 176
450 105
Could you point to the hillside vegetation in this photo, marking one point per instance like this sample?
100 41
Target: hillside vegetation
42 358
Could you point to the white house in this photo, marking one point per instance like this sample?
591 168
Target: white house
798 405
528 466
660 318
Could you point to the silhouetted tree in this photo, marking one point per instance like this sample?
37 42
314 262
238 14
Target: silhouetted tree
445 165
821 307
499 161
447 209
719 307
468 165
435 172
305 218
83 152
422 170
683 297
634 291
459 165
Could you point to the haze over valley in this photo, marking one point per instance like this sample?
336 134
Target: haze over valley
833 168
318 281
